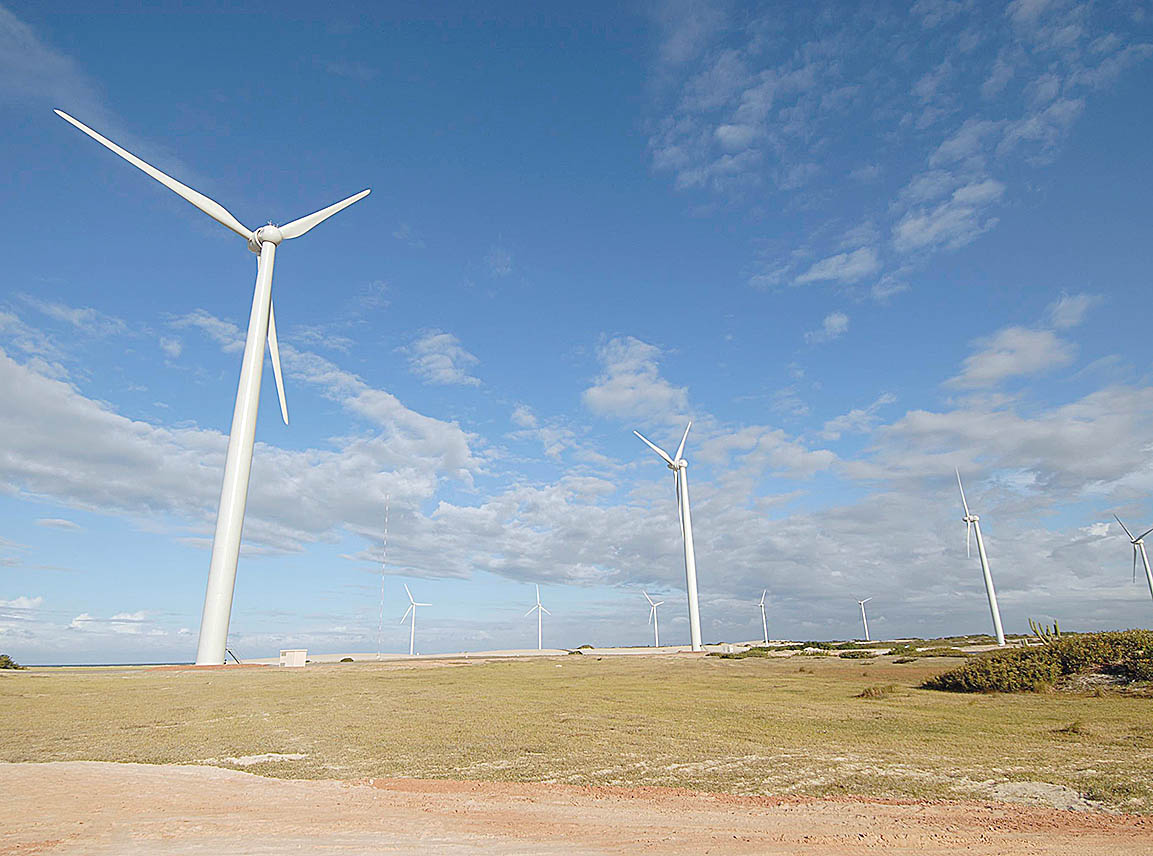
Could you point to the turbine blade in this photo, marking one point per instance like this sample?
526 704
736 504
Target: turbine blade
545 611
654 447
1143 534
1134 563
652 612
422 604
765 592
406 612
655 605
685 436
406 591
962 489
1126 528
298 227
677 488
530 612
649 599
968 540
210 207
274 352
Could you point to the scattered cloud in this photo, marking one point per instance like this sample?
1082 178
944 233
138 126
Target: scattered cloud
1013 352
498 261
407 235
835 325
1069 310
57 523
843 267
630 385
437 357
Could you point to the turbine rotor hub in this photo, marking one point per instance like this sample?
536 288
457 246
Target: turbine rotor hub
269 234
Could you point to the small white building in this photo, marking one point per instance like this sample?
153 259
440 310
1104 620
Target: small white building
294 658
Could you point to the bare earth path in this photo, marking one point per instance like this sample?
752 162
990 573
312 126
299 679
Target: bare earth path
96 807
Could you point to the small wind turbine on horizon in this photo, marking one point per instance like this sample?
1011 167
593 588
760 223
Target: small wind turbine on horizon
1139 547
864 620
653 604
412 605
261 325
679 466
973 525
764 620
538 609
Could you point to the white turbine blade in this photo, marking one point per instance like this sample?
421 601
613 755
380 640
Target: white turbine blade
298 227
654 447
765 592
685 436
1134 563
274 352
411 607
538 595
1143 534
866 600
962 489
968 540
422 604
1126 528
649 599
531 611
406 591
210 207
677 488
545 611
655 605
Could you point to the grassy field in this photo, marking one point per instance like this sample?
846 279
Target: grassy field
754 726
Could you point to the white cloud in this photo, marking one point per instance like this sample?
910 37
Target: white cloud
858 420
522 415
56 523
498 261
439 358
630 385
952 224
87 320
23 602
1069 310
405 234
226 334
843 267
172 347
835 325
1013 352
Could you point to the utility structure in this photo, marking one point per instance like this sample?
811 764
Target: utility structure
383 570
973 526
238 462
653 604
538 609
412 605
1139 547
764 620
679 466
864 618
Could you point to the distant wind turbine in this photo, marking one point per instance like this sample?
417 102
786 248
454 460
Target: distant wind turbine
864 620
1139 547
261 326
412 605
973 525
679 466
653 604
538 609
764 620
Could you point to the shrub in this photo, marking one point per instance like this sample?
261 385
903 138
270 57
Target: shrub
857 655
346 659
755 651
1128 654
879 691
905 660
7 662
942 652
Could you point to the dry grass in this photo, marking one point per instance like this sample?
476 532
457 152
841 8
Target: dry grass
751 726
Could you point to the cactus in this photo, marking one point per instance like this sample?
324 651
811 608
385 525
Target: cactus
1044 633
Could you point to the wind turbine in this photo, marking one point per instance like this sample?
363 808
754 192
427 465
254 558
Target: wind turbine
1139 547
538 609
973 524
679 466
412 605
653 604
764 620
261 326
865 620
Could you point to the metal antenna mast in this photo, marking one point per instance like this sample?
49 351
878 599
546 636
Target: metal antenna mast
383 565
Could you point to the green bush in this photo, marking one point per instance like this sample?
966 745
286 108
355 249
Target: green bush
879 691
905 660
942 652
755 651
857 655
1128 654
346 659
7 662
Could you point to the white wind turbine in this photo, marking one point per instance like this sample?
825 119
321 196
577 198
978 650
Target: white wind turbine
864 620
412 605
679 466
764 620
973 525
261 326
538 609
653 604
1139 547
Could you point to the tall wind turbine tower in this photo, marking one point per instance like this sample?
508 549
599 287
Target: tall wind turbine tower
864 619
973 525
679 466
653 604
412 605
538 609
1139 547
261 326
764 620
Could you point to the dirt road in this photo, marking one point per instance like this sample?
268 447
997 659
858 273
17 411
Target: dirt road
105 808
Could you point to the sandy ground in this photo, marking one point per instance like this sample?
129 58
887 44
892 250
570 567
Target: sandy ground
105 808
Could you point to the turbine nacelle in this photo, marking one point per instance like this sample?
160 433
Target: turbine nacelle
269 234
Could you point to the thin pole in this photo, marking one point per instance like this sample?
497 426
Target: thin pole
989 590
237 469
539 637
690 559
412 635
1145 561
656 630
383 565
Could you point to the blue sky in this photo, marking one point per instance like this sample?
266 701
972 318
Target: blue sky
858 246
